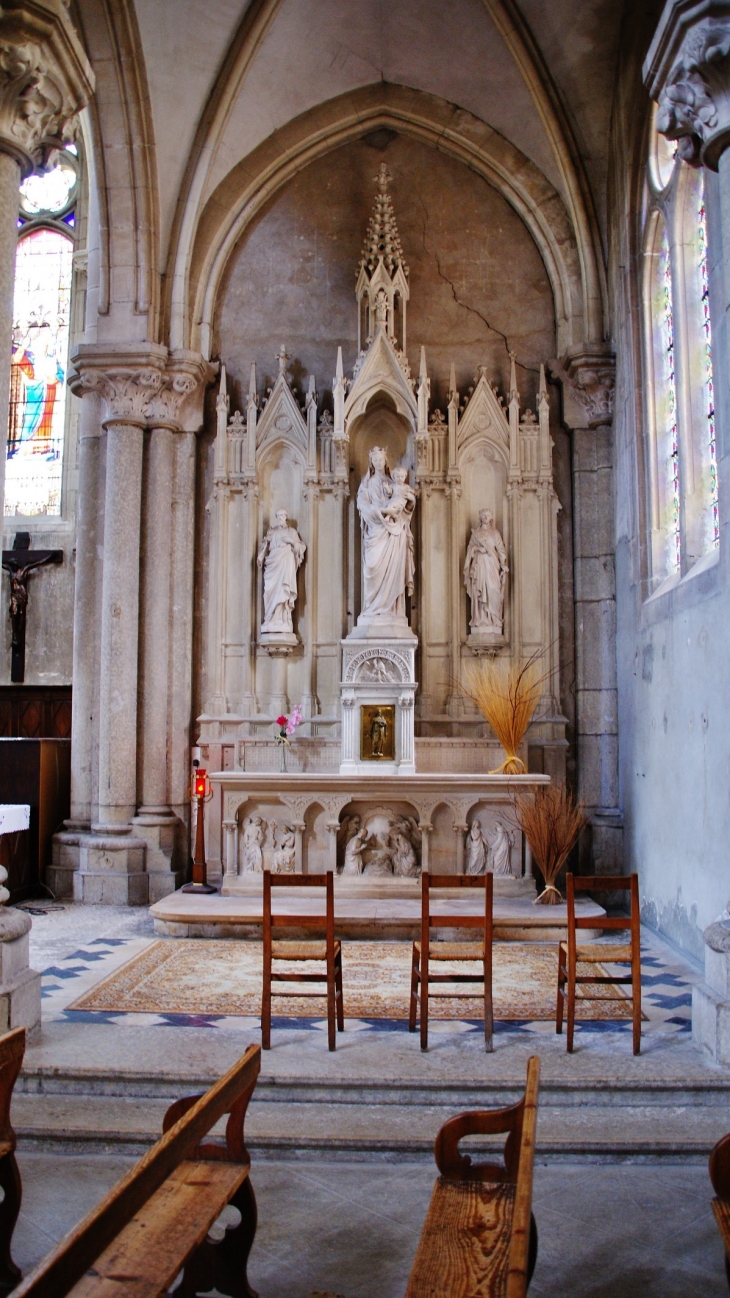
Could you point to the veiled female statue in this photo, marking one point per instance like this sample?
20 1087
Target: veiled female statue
485 571
386 507
281 553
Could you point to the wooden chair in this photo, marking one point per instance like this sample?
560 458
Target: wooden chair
330 951
187 1205
570 954
720 1177
479 1236
12 1049
425 951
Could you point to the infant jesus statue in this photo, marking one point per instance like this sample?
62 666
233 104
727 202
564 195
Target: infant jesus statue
403 497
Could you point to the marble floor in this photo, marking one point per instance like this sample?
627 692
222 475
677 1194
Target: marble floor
607 1231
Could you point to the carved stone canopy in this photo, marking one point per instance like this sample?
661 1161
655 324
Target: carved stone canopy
45 80
687 71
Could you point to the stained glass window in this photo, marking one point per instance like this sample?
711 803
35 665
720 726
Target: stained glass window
36 423
682 453
708 383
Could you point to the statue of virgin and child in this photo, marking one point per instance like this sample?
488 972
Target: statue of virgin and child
386 503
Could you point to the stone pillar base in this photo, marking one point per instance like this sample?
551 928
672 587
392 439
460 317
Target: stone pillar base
164 854
20 986
97 869
711 999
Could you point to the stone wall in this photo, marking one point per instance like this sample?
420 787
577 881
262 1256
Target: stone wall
673 666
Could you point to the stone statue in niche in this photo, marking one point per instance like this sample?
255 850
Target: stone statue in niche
501 850
485 574
252 858
281 554
284 849
478 851
405 865
386 503
354 850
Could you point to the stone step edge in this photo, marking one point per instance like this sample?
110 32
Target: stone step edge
603 1092
36 1138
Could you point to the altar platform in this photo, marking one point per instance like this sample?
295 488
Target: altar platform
377 911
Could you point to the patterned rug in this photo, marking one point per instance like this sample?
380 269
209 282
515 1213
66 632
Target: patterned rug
196 976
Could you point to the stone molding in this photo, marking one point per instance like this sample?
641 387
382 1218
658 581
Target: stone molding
45 80
687 71
143 385
587 376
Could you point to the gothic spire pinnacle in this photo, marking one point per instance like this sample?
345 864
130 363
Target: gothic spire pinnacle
382 241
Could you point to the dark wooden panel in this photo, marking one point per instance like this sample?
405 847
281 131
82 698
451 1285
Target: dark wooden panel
37 772
35 711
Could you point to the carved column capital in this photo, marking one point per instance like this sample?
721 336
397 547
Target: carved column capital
45 79
126 378
178 404
687 71
586 374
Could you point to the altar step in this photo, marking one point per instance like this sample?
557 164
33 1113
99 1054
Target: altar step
381 910
388 1121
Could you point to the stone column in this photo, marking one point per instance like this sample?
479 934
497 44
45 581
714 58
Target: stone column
111 862
167 562
460 828
230 829
45 79
586 375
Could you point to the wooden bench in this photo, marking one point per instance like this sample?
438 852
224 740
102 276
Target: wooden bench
12 1049
720 1177
155 1222
479 1239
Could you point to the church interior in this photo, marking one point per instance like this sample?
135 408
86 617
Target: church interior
365 552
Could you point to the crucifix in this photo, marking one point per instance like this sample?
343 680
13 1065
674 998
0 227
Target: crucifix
19 563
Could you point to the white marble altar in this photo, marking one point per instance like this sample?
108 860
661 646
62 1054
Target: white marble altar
411 520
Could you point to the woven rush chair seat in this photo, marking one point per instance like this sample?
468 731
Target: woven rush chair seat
425 951
608 953
283 950
302 951
571 954
454 950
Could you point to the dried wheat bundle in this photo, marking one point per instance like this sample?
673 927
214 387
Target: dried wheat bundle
551 821
506 694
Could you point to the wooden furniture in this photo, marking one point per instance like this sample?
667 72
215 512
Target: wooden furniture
425 951
720 1177
330 951
36 772
35 711
156 1220
570 954
12 1049
479 1239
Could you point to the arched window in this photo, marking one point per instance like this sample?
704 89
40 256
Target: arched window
678 351
40 344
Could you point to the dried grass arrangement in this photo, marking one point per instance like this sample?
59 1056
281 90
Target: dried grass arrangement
506 694
551 820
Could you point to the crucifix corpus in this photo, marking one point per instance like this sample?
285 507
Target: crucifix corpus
19 563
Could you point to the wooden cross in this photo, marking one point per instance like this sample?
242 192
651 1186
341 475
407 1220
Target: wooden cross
19 563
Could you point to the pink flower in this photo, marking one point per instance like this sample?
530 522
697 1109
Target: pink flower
294 720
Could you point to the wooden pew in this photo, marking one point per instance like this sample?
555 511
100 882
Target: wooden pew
479 1239
720 1177
12 1049
155 1221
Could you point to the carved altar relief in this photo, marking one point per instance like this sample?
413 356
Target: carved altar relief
381 666
379 843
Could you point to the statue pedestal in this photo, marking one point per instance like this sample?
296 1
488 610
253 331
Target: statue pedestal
711 998
378 692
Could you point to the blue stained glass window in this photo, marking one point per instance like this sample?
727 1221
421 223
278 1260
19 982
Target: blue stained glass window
711 443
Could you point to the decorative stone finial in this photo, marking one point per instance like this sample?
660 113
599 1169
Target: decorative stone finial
282 357
383 177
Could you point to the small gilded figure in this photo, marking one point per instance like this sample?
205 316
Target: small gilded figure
378 734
